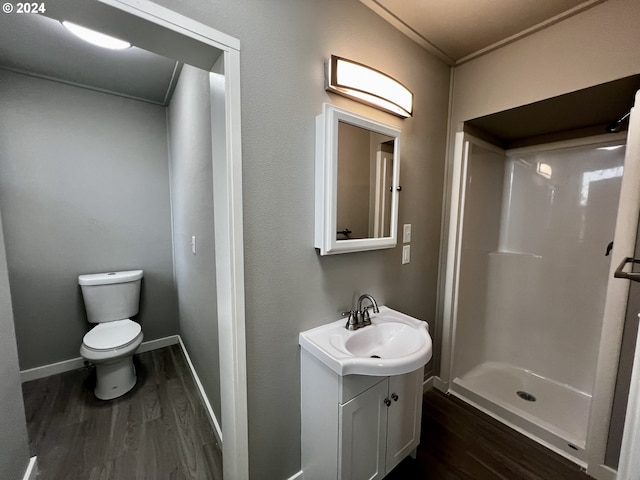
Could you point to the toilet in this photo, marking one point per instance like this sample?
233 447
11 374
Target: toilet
111 299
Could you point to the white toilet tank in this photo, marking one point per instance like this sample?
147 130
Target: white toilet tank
111 296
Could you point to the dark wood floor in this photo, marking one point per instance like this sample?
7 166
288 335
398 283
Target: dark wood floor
157 431
461 443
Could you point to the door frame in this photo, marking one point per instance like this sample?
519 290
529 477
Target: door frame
463 141
606 374
229 241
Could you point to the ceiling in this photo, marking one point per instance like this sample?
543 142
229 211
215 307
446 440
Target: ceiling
459 30
40 46
577 114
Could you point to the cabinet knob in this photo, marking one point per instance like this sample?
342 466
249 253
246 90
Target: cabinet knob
395 397
387 402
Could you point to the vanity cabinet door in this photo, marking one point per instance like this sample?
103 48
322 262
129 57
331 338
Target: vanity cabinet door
405 414
363 435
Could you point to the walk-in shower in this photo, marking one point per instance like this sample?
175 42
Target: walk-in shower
528 285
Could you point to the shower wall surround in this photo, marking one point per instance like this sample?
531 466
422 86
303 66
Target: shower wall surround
563 58
533 280
548 289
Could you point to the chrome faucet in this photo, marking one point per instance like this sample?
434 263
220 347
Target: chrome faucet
359 317
364 312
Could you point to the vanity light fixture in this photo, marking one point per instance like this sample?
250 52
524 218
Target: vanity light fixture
366 85
96 38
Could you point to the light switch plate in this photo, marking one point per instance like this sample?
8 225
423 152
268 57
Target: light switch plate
406 233
406 254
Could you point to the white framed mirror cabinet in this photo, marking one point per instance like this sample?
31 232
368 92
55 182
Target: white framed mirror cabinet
357 182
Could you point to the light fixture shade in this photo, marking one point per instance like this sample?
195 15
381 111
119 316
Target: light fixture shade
96 38
366 85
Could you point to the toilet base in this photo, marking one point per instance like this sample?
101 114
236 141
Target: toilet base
114 379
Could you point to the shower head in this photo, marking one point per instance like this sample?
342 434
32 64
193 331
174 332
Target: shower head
616 126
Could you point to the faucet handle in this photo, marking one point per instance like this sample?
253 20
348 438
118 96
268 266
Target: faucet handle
366 319
352 322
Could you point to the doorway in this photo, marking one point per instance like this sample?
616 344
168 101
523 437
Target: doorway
166 33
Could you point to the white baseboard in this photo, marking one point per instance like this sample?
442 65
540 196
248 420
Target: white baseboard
158 343
428 384
297 476
212 416
51 369
440 384
78 362
31 473
602 472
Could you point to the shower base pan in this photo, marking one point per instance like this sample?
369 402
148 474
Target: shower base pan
553 414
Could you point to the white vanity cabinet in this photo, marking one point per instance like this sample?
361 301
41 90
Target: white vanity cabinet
357 427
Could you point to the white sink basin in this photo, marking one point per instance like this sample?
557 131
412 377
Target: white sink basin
393 344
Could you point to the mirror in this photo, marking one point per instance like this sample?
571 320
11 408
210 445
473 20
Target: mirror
357 172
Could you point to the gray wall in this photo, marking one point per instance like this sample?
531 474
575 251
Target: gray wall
289 288
14 446
189 118
84 187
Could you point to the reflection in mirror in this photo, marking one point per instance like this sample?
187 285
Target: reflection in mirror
365 176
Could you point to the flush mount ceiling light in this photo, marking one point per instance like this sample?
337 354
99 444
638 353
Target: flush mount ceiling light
367 85
96 38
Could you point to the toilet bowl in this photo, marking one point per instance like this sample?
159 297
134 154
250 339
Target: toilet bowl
110 300
110 346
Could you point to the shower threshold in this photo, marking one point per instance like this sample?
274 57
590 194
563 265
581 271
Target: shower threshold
554 414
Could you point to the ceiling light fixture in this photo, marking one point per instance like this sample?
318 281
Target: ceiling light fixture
96 38
366 85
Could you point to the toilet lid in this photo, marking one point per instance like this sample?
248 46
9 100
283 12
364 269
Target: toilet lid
109 335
